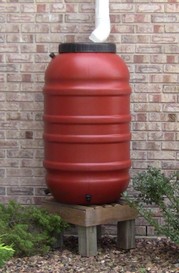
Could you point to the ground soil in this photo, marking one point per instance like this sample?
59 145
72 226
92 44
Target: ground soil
149 256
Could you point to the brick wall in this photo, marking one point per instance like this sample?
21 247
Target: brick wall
147 37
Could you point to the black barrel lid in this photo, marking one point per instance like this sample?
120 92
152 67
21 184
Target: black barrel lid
87 47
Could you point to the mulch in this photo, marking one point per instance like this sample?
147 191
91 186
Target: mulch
157 255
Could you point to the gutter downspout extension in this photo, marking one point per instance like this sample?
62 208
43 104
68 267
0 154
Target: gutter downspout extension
102 22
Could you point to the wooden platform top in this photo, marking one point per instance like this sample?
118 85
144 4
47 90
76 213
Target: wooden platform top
91 215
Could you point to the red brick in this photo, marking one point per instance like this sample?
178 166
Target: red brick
13 28
171 28
148 68
140 117
149 49
163 155
41 8
172 48
173 7
171 68
170 126
155 98
115 18
169 136
72 8
57 7
171 59
158 58
77 18
122 29
122 7
10 8
16 38
136 18
163 78
170 146
28 7
48 18
161 39
19 58
144 28
144 8
144 145
20 191
168 165
141 230
20 18
9 48
168 18
170 88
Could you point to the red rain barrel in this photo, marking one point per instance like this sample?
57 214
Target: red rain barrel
87 124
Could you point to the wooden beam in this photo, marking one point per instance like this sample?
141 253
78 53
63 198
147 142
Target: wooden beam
89 219
91 215
87 241
126 234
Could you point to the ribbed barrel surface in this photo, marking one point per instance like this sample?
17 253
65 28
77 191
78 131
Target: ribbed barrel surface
87 126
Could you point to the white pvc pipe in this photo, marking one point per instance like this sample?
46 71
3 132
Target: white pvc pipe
102 22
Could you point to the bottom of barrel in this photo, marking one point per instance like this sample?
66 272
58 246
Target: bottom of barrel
88 189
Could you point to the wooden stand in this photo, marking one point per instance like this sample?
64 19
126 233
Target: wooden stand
89 218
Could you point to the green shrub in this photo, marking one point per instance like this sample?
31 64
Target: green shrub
155 188
30 230
6 252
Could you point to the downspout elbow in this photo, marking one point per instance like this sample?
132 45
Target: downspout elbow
102 22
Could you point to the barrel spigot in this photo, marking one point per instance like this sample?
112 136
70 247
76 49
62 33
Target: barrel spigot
88 198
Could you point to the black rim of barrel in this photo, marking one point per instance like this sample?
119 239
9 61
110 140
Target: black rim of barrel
87 47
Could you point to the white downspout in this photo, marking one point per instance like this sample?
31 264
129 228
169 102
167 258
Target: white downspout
102 22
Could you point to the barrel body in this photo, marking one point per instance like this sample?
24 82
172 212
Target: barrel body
87 127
